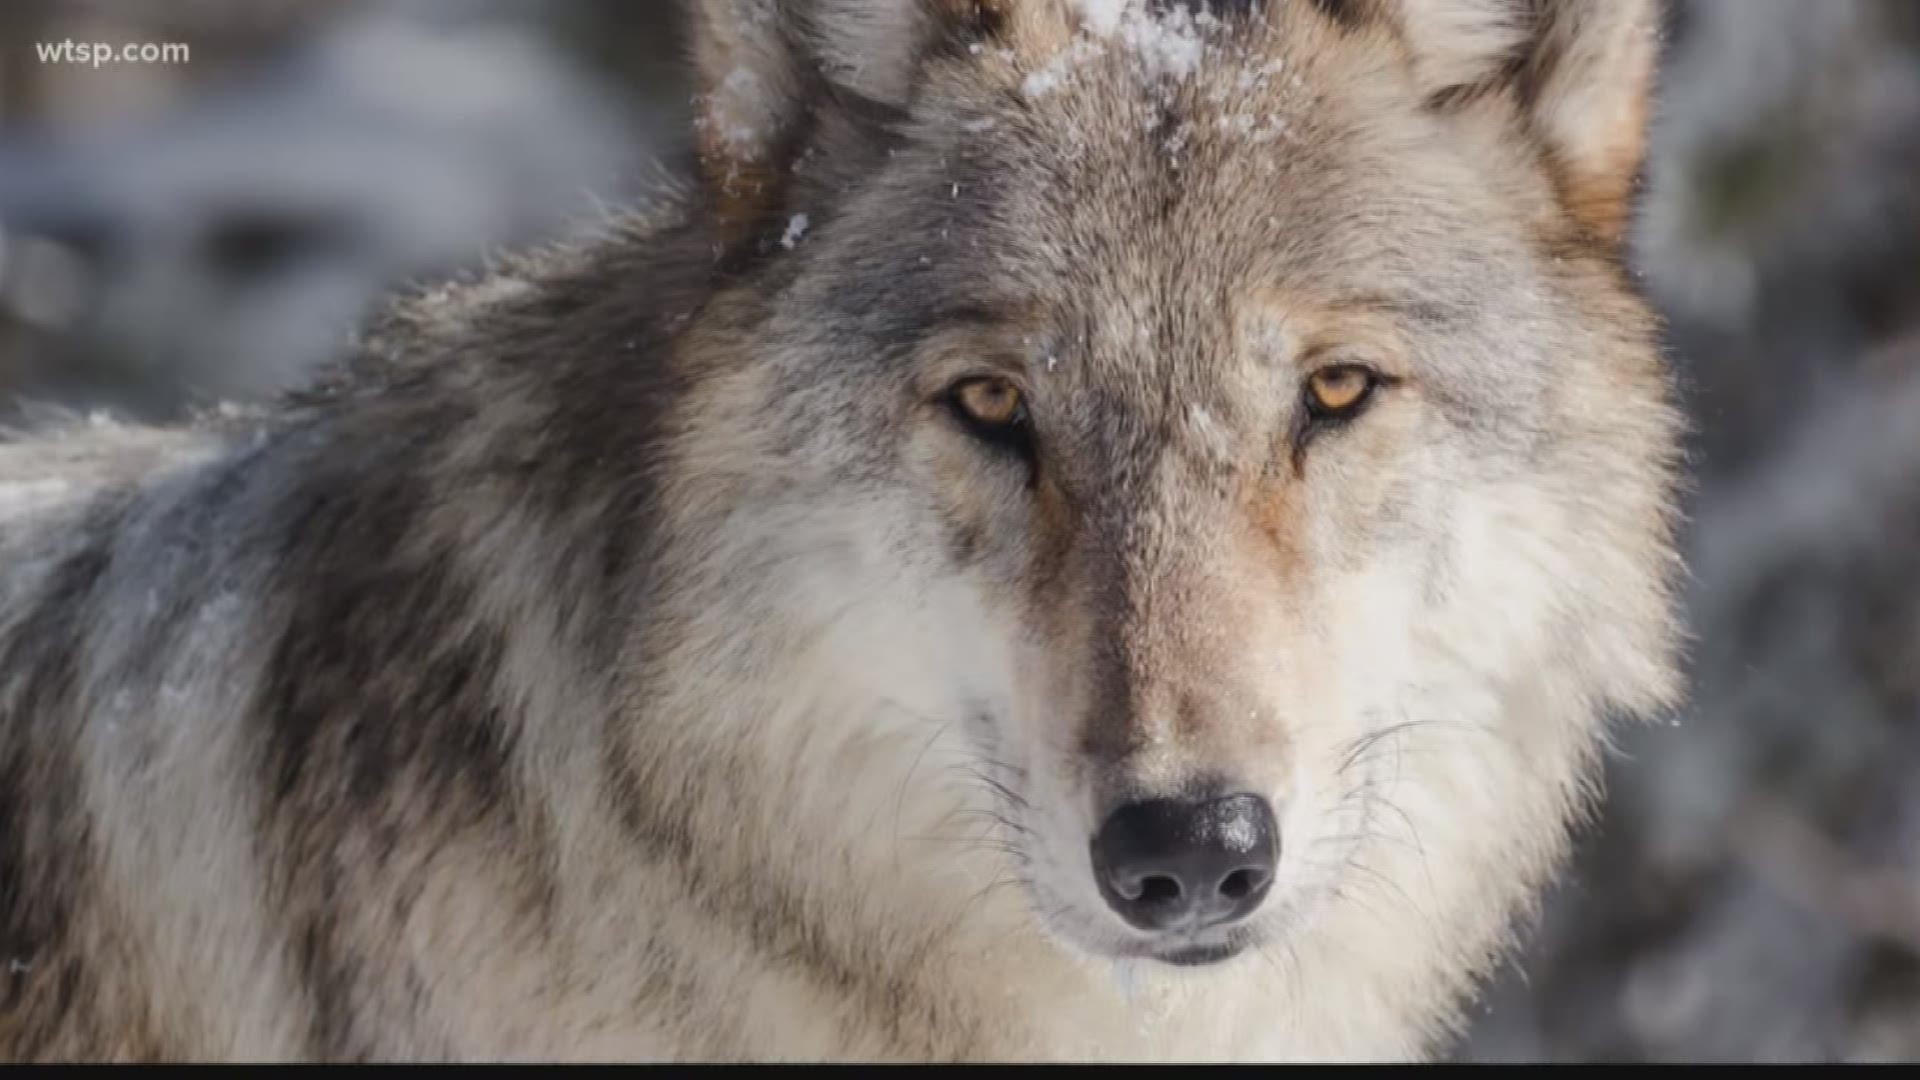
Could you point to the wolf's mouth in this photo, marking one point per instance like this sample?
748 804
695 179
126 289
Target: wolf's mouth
1200 955
1199 950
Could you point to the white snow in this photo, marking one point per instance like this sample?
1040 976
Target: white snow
796 228
740 107
1169 46
1103 16
1163 45
1045 80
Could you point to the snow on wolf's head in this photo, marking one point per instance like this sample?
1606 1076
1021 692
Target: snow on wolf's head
1244 409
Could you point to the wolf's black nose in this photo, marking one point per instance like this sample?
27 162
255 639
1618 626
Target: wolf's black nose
1166 864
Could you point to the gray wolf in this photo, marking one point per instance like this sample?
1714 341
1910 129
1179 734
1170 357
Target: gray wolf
1085 529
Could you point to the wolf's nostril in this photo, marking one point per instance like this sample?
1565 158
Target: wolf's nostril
1158 890
1241 883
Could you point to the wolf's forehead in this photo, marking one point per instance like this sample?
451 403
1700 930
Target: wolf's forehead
1164 122
1199 162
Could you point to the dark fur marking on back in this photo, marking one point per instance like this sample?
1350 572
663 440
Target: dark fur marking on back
47 989
377 713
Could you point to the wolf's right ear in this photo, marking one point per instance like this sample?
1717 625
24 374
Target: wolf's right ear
1580 73
766 70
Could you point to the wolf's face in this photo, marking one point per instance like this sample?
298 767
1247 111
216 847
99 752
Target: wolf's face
1256 383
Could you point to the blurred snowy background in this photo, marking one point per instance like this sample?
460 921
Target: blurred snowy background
173 235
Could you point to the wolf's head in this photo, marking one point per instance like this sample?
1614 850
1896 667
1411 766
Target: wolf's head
1247 404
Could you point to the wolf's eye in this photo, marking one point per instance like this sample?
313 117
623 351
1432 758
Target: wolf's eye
1340 391
993 409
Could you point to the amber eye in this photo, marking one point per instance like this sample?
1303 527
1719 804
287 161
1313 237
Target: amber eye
995 402
993 409
1340 391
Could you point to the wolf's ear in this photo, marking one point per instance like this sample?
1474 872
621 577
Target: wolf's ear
1581 72
767 70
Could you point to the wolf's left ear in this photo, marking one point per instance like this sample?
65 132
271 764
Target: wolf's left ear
1581 72
770 72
